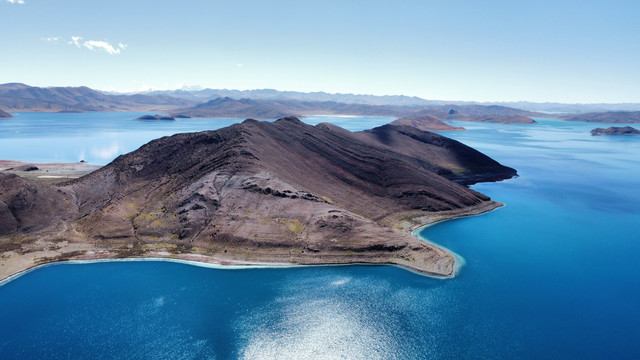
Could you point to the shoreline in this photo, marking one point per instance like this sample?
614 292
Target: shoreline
46 250
459 261
94 254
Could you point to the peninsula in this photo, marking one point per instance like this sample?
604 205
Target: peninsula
4 115
615 117
268 192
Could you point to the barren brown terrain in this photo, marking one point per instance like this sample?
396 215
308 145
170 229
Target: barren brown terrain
281 192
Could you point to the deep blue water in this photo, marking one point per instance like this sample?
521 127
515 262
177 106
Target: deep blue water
552 275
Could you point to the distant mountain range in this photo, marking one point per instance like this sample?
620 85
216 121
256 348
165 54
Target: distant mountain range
198 94
271 109
273 104
16 97
201 95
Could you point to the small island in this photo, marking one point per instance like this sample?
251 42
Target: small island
615 130
5 115
156 117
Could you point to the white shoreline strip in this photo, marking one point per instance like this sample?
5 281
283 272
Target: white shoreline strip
459 261
217 266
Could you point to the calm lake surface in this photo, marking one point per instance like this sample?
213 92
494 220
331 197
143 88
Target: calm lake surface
99 138
552 275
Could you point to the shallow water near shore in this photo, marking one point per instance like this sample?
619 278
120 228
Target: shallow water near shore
553 274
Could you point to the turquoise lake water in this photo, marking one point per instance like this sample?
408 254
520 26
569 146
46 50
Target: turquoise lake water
98 138
552 275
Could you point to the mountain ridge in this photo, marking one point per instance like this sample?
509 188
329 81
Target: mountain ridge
21 97
398 100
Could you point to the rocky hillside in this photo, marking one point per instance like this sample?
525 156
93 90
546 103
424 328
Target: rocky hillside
282 191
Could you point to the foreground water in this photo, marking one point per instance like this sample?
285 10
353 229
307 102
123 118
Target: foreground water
553 274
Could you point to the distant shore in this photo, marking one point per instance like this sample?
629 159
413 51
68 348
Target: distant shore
47 172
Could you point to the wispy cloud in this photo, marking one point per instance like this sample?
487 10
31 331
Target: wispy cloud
16 1
97 45
51 39
75 40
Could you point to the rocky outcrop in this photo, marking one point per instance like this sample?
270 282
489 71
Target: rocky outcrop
156 117
614 130
4 115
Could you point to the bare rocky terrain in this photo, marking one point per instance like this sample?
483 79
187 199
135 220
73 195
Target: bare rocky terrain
615 130
281 192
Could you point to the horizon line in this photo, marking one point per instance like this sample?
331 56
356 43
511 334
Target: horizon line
201 88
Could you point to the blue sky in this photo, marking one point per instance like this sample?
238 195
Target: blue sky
492 50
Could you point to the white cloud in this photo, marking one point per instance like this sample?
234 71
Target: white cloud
16 1
75 40
238 65
51 39
96 45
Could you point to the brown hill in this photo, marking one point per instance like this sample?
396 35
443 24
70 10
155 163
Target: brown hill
617 117
260 191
